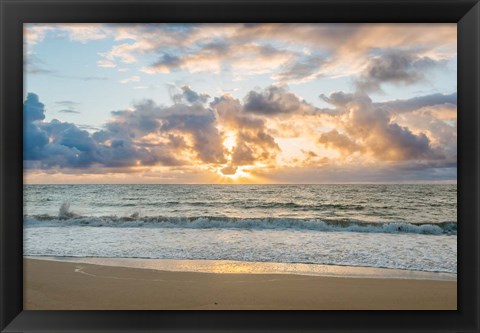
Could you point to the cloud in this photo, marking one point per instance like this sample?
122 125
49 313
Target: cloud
121 143
229 170
338 98
54 143
243 59
253 142
88 127
68 107
68 146
340 142
289 53
328 173
35 33
271 101
33 138
415 103
67 103
381 137
134 78
200 124
301 69
190 96
147 135
33 110
35 66
372 131
439 123
85 78
80 32
106 63
83 32
230 135
69 111
165 64
394 66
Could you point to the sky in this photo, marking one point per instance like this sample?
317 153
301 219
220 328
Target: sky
240 103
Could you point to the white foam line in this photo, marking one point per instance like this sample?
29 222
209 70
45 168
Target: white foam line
79 269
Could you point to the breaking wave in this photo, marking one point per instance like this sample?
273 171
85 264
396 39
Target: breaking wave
67 219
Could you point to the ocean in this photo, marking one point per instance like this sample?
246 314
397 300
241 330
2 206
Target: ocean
404 226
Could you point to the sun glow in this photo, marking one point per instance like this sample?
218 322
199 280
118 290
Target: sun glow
230 141
234 174
240 173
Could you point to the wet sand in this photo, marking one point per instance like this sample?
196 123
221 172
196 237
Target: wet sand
55 285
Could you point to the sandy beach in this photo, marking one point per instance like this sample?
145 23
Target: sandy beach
54 285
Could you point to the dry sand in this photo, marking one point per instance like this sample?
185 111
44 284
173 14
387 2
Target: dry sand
53 285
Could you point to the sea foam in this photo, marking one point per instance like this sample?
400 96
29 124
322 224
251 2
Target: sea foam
68 218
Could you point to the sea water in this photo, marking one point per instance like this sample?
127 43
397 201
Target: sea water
390 226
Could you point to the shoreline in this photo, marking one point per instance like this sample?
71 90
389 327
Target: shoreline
249 267
67 285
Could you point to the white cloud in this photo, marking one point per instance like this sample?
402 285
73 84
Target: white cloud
106 63
131 79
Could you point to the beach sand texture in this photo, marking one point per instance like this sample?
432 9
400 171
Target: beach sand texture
53 285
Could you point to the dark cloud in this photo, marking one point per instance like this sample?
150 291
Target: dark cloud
33 110
415 103
123 141
69 111
167 61
272 101
88 127
219 46
394 66
54 143
301 68
34 139
67 103
68 145
338 98
190 96
69 107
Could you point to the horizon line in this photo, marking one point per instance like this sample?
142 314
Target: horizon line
347 183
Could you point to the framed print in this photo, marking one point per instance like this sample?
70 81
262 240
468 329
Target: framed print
244 166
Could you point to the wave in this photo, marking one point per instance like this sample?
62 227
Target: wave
209 222
65 212
240 204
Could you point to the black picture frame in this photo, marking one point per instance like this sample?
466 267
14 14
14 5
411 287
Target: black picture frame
466 13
